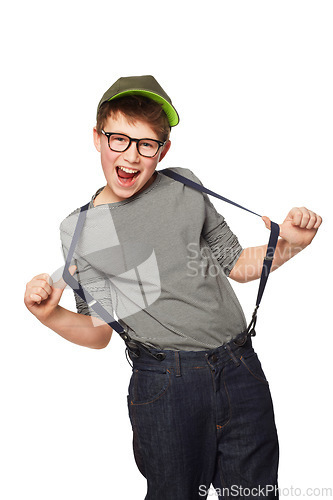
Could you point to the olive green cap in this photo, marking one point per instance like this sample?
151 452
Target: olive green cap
142 85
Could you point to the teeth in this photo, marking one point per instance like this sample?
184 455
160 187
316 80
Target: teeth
128 170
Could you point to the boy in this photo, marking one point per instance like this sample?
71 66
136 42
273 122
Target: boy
199 402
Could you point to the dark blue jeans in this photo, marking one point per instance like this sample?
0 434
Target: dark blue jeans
202 418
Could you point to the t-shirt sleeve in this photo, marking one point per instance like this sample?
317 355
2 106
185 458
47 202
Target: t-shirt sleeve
218 235
91 279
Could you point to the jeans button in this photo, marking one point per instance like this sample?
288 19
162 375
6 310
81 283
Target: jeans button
241 341
214 358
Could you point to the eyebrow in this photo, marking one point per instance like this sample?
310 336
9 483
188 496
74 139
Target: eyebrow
139 139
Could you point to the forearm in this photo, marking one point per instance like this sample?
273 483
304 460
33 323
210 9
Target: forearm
249 264
83 330
296 232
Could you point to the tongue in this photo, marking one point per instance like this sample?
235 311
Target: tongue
125 175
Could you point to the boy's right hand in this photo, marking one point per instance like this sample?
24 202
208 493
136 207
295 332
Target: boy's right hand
42 296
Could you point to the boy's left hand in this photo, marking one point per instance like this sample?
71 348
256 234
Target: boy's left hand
299 227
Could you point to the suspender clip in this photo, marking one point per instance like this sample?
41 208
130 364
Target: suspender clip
251 328
133 346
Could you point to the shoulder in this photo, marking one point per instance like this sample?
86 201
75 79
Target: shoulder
68 224
185 172
188 194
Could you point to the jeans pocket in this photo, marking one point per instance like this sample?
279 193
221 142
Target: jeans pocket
147 385
253 366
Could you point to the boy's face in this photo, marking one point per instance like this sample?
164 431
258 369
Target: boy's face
119 187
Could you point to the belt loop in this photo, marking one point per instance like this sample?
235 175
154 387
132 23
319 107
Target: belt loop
233 357
177 363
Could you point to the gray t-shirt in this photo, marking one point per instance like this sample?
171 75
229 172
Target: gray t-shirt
159 262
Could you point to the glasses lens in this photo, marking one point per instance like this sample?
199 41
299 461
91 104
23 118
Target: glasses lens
148 147
118 142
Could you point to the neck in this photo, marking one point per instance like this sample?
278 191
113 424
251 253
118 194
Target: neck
107 195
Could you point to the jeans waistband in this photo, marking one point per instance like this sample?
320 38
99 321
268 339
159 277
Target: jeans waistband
170 358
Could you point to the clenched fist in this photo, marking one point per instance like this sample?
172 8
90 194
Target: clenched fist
299 227
42 296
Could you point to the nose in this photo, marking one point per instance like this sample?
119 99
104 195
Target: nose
131 154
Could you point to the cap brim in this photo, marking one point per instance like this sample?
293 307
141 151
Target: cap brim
167 107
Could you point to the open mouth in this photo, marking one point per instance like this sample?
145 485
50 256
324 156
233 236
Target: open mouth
127 176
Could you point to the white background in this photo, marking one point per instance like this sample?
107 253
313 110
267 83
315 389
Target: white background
254 75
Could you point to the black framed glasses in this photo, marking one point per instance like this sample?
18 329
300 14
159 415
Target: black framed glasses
121 142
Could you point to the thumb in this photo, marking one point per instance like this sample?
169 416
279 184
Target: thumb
61 283
267 222
59 286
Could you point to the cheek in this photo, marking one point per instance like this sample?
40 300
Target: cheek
108 158
150 165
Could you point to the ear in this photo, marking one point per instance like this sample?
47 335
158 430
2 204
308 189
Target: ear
165 150
97 139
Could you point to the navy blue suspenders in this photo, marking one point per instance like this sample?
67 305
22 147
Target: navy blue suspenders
115 325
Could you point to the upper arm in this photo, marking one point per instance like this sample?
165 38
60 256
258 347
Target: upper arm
96 284
220 238
235 273
217 234
94 281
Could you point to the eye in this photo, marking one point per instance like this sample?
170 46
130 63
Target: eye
120 139
147 144
118 142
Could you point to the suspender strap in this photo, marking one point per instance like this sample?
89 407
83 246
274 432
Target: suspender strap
266 268
131 344
75 285
273 239
267 264
104 314
199 187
